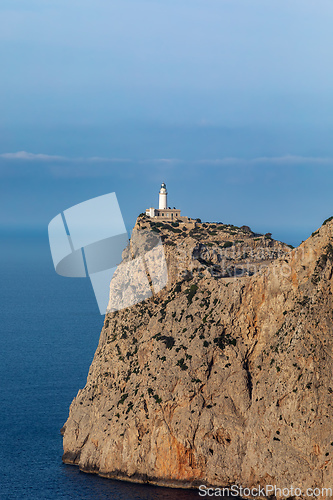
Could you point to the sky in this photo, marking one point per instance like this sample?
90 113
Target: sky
229 102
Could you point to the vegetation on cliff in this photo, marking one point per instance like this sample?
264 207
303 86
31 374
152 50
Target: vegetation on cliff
225 376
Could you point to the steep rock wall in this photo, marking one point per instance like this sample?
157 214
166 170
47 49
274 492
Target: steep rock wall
216 380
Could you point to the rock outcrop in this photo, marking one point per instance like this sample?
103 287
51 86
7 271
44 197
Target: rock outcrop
225 376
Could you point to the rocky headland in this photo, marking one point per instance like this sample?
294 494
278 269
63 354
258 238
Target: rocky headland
223 377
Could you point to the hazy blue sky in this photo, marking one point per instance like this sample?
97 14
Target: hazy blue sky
228 101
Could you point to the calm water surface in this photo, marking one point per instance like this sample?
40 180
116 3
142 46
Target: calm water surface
50 328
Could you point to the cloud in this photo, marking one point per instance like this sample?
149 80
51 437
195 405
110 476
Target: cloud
273 160
23 155
261 160
163 161
101 159
221 161
288 159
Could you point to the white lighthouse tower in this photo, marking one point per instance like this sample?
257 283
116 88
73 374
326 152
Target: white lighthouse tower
163 212
162 205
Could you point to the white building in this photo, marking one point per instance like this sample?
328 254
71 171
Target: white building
163 212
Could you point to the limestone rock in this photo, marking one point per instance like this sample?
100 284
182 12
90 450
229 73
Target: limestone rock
225 376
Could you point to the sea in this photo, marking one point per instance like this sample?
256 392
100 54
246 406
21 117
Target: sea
50 328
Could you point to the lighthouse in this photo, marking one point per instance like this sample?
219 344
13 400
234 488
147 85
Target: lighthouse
163 212
162 204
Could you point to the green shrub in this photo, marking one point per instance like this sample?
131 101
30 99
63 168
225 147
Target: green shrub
181 364
122 399
327 220
191 292
170 228
223 340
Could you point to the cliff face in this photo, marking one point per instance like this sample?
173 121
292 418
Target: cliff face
225 376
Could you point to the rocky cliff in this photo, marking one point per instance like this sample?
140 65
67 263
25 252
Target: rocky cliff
223 377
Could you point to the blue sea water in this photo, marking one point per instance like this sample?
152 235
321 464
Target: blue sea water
50 328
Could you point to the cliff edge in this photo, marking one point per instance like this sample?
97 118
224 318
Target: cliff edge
225 376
